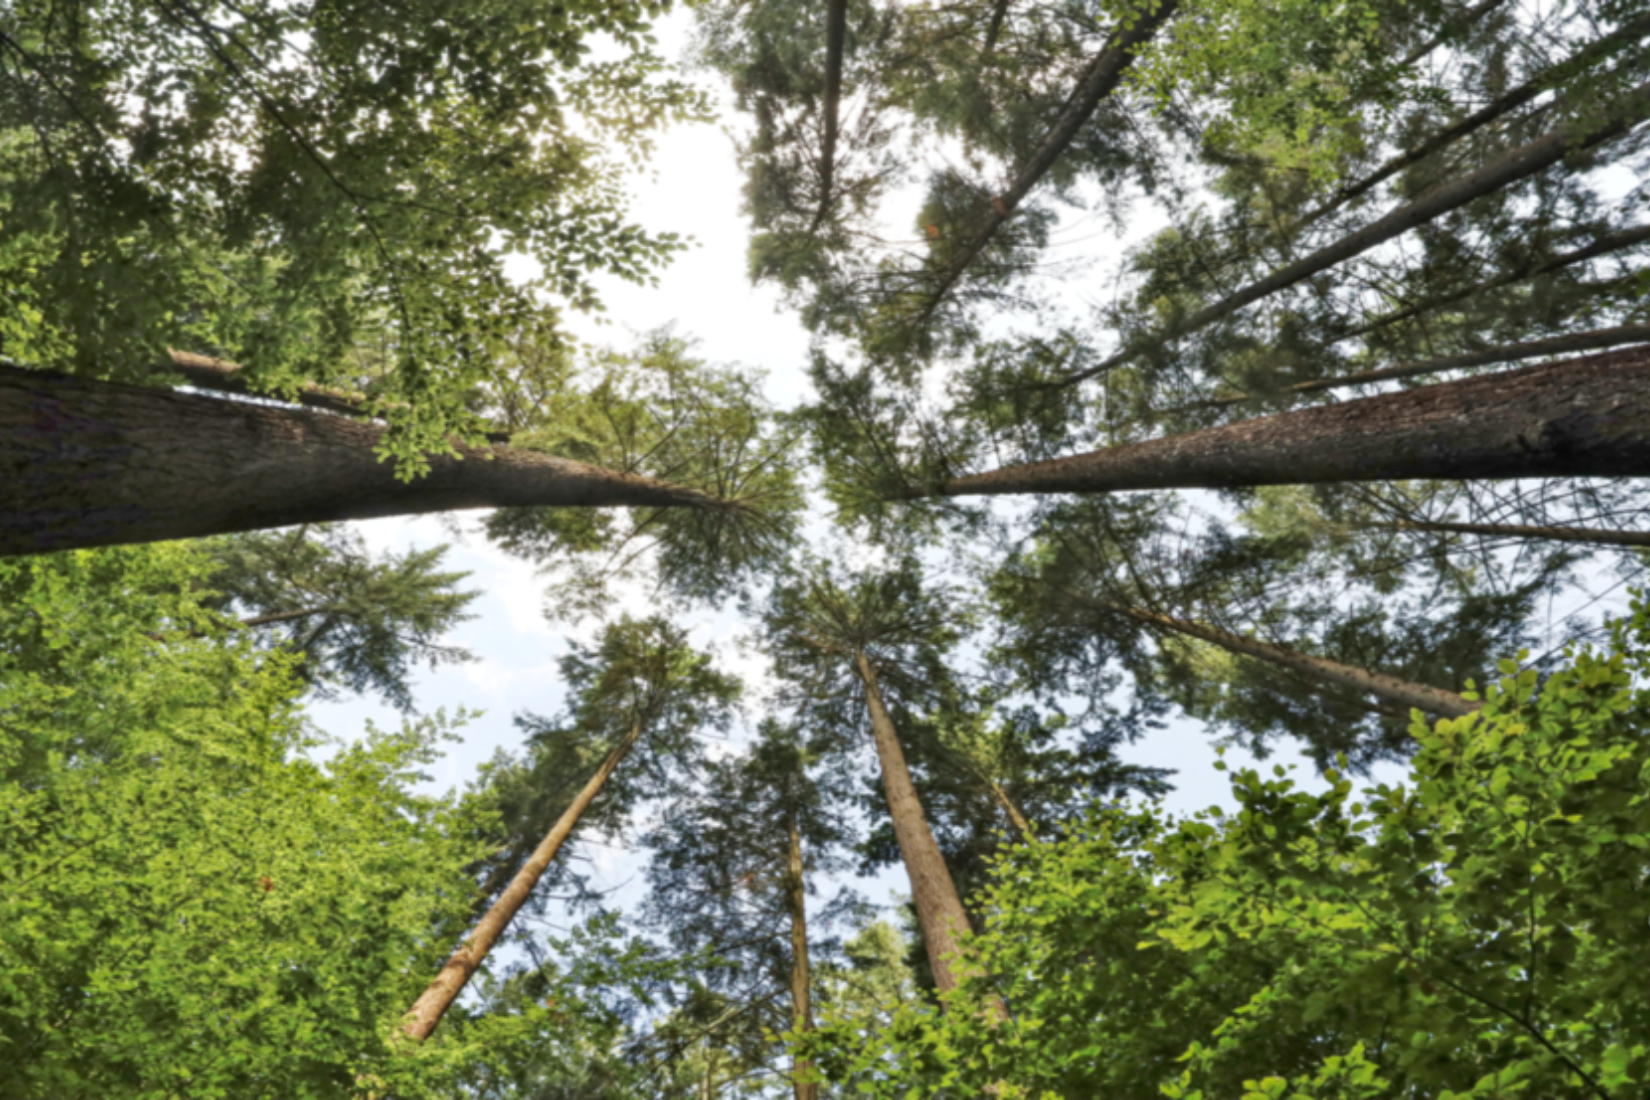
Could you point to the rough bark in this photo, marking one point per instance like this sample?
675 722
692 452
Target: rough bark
802 1018
1614 242
427 1011
1507 353
836 37
1587 417
1592 535
933 893
86 463
1405 693
1099 80
1503 171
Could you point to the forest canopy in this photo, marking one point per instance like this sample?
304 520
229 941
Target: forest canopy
1176 382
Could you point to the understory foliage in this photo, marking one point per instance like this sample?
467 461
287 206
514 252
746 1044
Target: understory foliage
1476 931
199 896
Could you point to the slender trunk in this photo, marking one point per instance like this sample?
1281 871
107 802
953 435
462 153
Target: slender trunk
1404 693
836 37
1615 242
1586 417
1507 353
427 1011
1591 535
1504 171
802 1019
85 463
1099 80
1594 51
939 909
993 30
205 373
284 616
1012 810
1464 19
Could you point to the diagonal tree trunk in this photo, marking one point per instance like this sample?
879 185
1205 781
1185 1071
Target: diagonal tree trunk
1504 171
1597 536
85 463
939 908
1507 353
433 1003
1586 417
1404 693
836 37
1589 54
1614 242
1099 80
802 1019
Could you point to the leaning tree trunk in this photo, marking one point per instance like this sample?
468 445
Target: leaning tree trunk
1099 80
802 1019
86 463
427 1011
1405 693
1591 535
1586 417
1552 77
836 38
939 909
1507 353
1504 171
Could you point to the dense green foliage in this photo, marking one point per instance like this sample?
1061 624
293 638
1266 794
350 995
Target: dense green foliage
325 192
1474 932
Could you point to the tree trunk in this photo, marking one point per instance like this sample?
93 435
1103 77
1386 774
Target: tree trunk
86 463
1552 77
1614 242
1099 80
427 1011
1586 417
802 1019
1591 535
836 36
1013 811
1504 171
1509 353
205 373
939 909
1404 693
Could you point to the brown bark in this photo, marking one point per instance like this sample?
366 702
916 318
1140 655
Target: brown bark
1614 242
1496 108
1587 417
939 908
427 1011
1592 535
836 36
802 1019
1099 80
1405 693
1507 353
86 463
1504 171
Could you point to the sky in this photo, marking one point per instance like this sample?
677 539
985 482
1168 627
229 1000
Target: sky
693 188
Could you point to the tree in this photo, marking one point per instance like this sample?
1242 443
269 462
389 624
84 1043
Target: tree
642 680
328 196
190 904
1466 933
358 621
877 641
733 864
99 463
